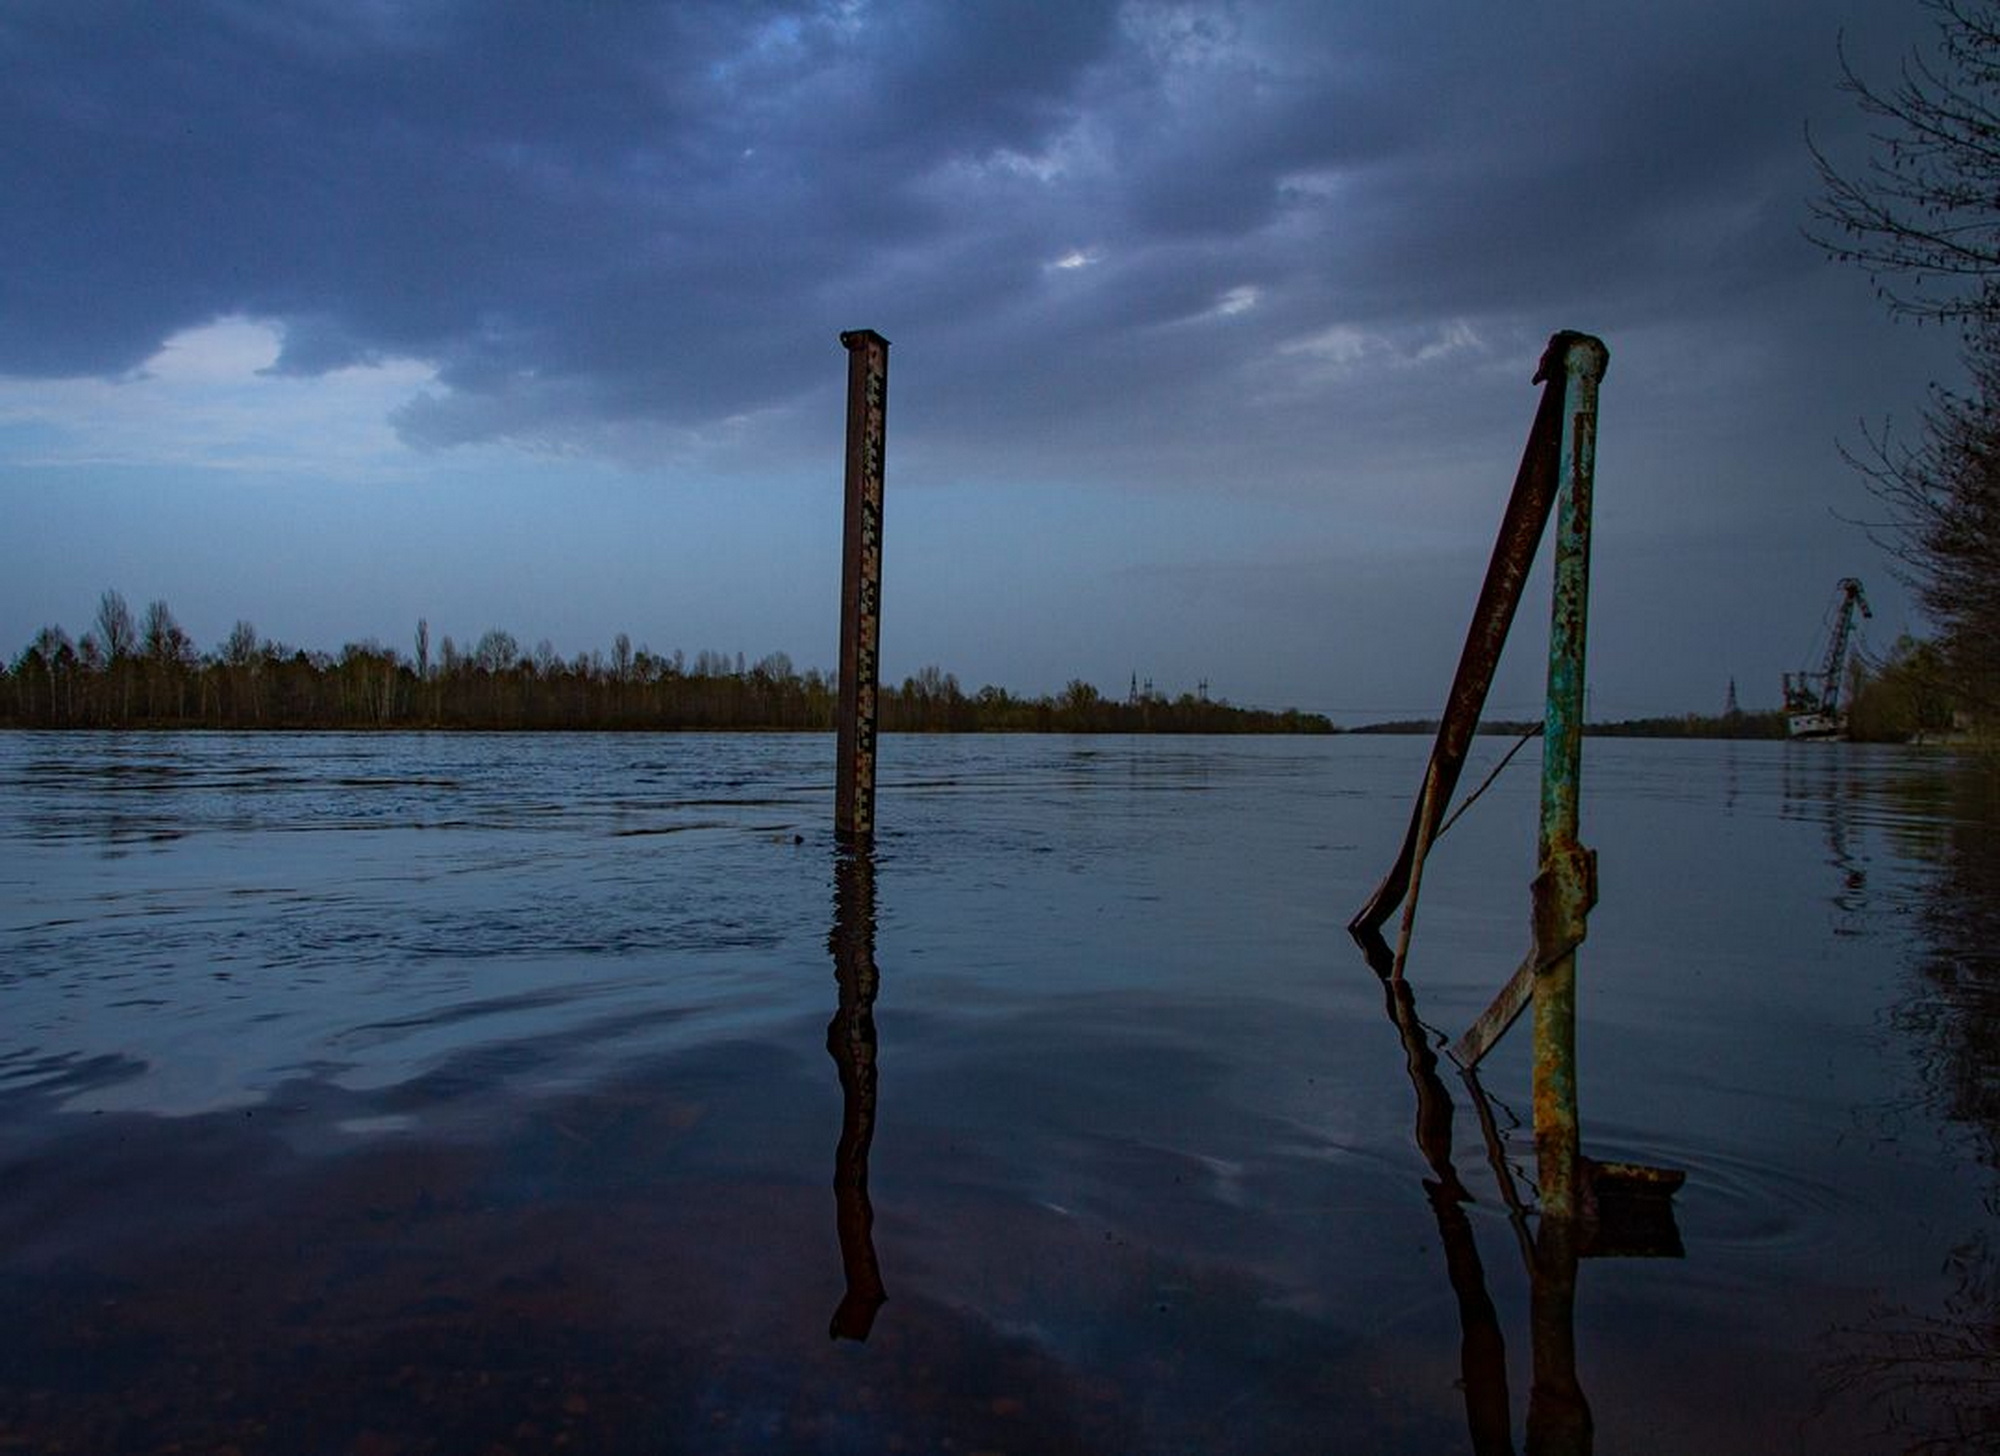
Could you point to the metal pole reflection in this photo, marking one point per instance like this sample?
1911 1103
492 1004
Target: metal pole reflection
1482 1347
850 1041
1559 1422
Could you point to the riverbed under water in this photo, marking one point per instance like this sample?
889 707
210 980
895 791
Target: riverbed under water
469 1093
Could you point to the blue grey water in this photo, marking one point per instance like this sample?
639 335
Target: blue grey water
407 1092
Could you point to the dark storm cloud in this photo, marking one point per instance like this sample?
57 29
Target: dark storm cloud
662 212
554 193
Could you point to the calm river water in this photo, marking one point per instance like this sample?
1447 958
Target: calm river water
462 1093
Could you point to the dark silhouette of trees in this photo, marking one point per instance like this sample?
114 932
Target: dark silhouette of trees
45 677
115 632
153 677
1922 218
1905 695
170 661
931 702
238 668
1943 496
117 638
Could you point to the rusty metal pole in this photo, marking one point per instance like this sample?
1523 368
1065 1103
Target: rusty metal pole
860 588
1565 887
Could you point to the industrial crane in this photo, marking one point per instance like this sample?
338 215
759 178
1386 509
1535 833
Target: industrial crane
1812 699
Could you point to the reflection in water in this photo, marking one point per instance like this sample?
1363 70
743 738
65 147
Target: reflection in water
1558 1415
1933 1376
1559 1422
1482 1347
1958 1000
1817 779
850 1040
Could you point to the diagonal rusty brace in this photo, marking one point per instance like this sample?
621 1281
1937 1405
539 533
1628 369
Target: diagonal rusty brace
1563 895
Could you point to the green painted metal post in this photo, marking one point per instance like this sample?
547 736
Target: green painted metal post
1566 886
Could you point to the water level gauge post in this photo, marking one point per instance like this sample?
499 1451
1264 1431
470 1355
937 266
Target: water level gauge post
860 588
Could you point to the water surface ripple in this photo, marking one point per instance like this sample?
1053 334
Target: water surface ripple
417 1092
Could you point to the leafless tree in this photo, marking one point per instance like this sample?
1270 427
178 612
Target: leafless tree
116 634
1922 218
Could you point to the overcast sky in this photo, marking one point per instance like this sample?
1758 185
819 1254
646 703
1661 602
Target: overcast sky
1212 328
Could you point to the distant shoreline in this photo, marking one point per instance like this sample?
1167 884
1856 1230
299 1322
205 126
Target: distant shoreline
1414 728
1736 726
469 729
143 672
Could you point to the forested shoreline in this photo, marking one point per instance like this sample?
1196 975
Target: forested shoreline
145 672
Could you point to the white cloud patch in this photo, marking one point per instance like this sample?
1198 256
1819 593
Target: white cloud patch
227 350
1342 347
208 398
1457 337
1237 300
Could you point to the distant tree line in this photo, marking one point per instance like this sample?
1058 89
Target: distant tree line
144 671
1911 693
1762 724
1683 725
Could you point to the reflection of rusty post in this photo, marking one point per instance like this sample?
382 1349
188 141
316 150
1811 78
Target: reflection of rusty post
1482 1348
860 586
1506 573
850 1041
1559 1420
1565 887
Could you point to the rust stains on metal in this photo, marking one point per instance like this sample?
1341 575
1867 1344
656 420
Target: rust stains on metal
1563 895
1493 1022
1565 889
861 587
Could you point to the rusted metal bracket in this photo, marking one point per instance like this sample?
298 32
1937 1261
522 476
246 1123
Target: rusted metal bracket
1563 895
